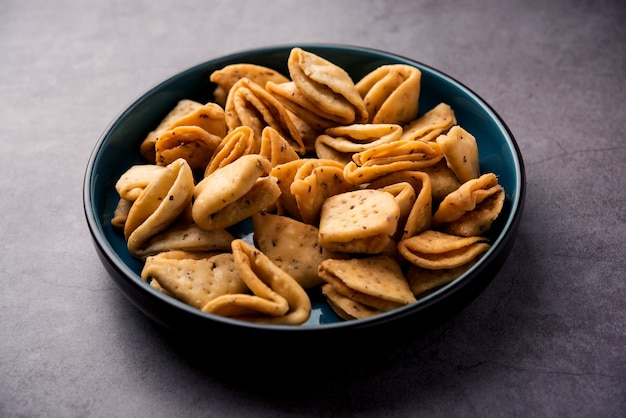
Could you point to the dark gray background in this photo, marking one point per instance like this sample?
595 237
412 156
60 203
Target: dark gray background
546 338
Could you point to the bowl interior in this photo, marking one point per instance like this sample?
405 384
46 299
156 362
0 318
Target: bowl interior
118 149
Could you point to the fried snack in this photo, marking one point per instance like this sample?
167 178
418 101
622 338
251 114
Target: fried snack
443 180
315 181
431 124
360 221
227 77
479 220
234 192
194 277
391 93
292 245
277 298
158 206
308 113
286 173
134 180
460 150
376 281
276 148
384 159
187 237
405 195
327 86
466 199
209 117
120 213
192 143
419 217
248 104
439 251
339 143
346 307
238 142
421 280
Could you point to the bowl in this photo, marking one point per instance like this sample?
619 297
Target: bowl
117 149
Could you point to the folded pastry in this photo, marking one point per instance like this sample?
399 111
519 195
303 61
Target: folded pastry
341 142
315 181
238 142
391 93
209 117
376 281
431 124
159 205
443 180
193 277
186 237
249 104
384 159
130 185
276 148
418 218
327 86
460 150
234 192
346 307
192 143
286 174
276 297
228 76
436 250
422 280
471 209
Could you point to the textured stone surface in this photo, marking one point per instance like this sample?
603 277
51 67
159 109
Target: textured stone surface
546 338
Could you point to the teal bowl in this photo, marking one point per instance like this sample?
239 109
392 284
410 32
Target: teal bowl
117 150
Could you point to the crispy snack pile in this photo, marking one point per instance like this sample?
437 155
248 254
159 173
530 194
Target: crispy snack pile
350 191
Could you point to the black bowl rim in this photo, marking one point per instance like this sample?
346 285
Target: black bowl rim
498 249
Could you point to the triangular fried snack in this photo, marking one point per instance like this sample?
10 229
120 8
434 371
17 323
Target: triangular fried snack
194 277
375 281
346 307
186 237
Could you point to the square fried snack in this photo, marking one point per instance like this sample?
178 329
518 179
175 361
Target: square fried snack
292 245
351 193
360 221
